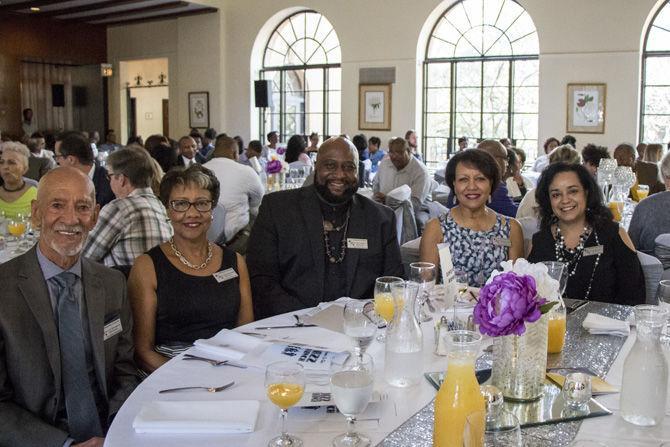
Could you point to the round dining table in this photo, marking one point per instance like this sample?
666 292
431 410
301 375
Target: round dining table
402 417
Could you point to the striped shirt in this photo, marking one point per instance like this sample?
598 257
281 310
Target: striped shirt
127 228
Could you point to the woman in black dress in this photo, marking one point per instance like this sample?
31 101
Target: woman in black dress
187 288
577 229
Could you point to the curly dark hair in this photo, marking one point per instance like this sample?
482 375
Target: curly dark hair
597 214
593 154
478 159
295 146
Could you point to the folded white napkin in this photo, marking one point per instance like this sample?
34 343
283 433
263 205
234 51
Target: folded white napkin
228 344
600 324
232 416
401 193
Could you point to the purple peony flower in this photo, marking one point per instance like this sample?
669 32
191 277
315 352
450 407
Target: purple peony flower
506 304
273 167
281 150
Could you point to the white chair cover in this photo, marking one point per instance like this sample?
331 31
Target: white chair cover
653 270
215 232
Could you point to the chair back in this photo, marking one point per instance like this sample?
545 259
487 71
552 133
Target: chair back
529 226
216 232
662 249
652 270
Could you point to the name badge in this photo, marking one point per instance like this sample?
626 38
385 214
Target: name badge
112 328
357 244
225 275
592 251
502 242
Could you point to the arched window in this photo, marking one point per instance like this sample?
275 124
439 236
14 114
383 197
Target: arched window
302 58
480 77
655 107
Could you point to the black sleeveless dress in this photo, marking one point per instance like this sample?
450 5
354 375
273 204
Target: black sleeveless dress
192 307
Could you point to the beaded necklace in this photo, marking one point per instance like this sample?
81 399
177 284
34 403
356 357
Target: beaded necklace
571 257
329 227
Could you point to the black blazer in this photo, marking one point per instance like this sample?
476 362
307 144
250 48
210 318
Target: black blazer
286 253
103 192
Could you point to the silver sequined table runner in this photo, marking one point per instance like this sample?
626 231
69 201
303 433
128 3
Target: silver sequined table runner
596 352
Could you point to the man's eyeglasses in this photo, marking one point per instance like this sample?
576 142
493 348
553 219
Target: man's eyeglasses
109 175
181 206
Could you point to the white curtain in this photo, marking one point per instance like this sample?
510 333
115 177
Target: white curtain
36 80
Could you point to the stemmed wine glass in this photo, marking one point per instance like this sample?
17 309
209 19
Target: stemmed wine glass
384 304
17 228
424 274
351 386
359 325
285 384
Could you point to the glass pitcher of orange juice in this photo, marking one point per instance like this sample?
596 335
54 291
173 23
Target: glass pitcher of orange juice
459 395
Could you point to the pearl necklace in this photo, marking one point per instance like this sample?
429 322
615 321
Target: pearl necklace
186 261
571 257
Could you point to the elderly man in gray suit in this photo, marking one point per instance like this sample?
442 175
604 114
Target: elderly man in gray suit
66 352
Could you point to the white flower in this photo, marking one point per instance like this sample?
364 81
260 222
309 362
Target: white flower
547 287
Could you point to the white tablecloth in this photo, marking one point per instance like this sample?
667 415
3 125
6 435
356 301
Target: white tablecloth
612 430
398 406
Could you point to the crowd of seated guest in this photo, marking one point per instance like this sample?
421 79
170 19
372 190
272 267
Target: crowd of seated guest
160 199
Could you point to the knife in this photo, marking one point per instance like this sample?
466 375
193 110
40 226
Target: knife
284 327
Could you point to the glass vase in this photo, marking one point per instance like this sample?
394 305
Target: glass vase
520 362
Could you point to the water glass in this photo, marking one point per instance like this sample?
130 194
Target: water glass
559 272
483 430
285 384
424 274
359 324
577 390
462 283
351 386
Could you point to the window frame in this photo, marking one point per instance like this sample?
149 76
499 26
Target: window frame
283 71
646 54
453 61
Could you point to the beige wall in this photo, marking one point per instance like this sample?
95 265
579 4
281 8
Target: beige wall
592 41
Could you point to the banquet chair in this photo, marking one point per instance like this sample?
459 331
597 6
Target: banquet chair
652 270
216 232
529 226
409 252
662 253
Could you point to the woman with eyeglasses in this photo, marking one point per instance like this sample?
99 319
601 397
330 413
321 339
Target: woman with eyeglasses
187 288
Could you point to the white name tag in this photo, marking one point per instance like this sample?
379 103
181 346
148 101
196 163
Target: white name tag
592 251
112 328
502 242
225 275
357 244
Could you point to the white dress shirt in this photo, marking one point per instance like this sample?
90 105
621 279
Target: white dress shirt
241 192
188 161
415 175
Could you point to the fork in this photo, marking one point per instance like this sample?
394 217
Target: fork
212 361
211 389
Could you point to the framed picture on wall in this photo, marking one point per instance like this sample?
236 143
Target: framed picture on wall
586 108
198 110
374 107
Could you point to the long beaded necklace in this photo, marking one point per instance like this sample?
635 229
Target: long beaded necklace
330 227
571 257
186 262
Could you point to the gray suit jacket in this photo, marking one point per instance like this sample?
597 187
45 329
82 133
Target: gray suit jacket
30 366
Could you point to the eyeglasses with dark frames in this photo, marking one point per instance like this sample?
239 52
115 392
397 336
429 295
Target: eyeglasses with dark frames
181 206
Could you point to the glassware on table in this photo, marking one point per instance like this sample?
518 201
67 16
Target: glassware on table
384 305
423 273
663 294
645 372
284 384
557 315
359 325
577 390
503 430
351 386
459 394
606 170
462 316
403 364
17 227
462 282
642 192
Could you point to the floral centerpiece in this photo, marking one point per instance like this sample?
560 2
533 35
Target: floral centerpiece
276 169
510 308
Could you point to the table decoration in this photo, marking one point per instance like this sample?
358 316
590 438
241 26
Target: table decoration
276 169
510 308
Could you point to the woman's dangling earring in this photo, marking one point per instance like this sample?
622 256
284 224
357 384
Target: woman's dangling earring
489 200
455 200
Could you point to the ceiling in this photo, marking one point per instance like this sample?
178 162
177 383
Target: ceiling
105 12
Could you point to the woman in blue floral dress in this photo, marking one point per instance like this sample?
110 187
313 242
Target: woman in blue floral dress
478 237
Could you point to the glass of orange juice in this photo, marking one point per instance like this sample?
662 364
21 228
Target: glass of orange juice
284 384
642 192
616 207
384 303
557 329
